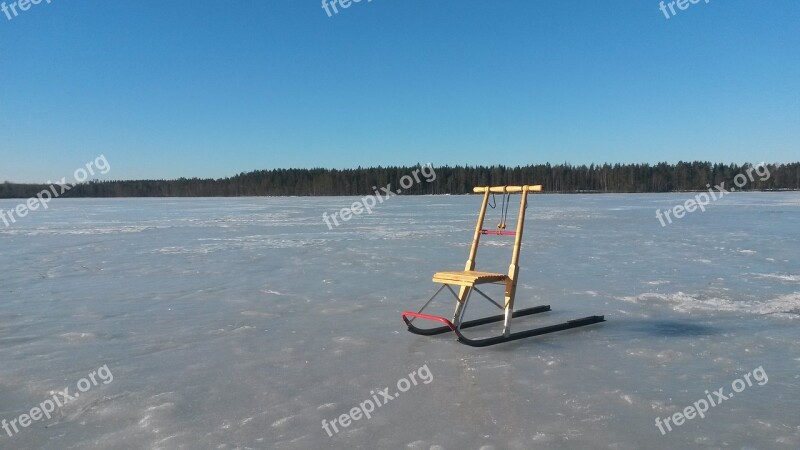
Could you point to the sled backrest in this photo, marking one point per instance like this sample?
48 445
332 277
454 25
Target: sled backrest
487 191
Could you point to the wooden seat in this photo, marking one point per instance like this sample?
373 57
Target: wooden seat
468 278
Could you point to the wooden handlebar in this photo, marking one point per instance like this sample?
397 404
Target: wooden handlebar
505 189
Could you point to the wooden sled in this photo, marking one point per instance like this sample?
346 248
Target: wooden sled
468 280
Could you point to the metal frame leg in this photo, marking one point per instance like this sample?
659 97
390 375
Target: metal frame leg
430 300
461 307
511 291
509 314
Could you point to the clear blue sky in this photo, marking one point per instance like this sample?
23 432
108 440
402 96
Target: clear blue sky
212 88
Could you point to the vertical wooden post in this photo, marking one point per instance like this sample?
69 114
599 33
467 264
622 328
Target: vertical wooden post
513 268
463 292
473 251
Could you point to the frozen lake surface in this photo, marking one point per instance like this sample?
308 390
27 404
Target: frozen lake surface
243 323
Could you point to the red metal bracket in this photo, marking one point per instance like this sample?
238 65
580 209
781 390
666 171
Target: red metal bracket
429 317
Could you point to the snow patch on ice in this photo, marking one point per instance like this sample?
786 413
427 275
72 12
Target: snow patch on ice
787 306
660 406
259 314
78 337
77 231
778 276
282 422
232 329
662 356
349 340
489 243
182 251
241 243
539 436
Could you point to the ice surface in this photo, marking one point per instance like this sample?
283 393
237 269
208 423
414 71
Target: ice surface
243 323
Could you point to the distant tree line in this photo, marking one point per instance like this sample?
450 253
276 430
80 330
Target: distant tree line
562 178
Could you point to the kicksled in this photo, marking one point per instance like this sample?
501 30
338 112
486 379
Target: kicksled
462 285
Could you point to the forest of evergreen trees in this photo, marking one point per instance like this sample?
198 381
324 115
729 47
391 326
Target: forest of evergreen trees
563 178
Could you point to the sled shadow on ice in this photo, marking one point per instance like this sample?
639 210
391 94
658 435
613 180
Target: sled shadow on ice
669 328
